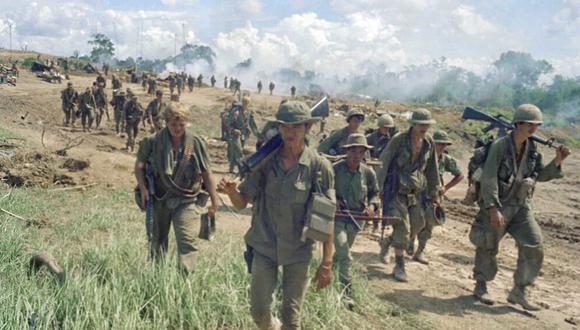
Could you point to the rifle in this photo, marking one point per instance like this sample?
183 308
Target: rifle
345 212
500 122
267 150
363 217
150 181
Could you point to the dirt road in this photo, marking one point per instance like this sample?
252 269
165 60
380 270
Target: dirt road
439 292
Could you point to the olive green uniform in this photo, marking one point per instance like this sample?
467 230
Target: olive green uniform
276 230
413 181
68 97
170 207
358 189
118 102
332 145
500 187
87 108
132 113
234 135
154 109
379 142
117 84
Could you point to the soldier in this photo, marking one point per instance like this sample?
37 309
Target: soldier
190 83
511 170
212 80
271 87
101 81
358 192
445 163
332 144
116 83
293 91
151 86
172 84
379 140
225 82
274 238
144 79
179 82
235 127
199 80
181 166
237 87
153 112
69 98
411 155
118 103
259 87
87 108
249 122
132 116
101 102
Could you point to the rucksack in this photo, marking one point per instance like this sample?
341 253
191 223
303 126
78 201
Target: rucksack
475 169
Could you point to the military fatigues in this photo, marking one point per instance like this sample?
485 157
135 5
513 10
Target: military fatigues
118 102
190 83
154 109
332 145
499 187
152 86
132 114
358 189
413 181
169 206
234 135
379 142
87 108
69 97
117 84
101 101
276 230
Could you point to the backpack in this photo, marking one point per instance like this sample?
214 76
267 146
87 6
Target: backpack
475 169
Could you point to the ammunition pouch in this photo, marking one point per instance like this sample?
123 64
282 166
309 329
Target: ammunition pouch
137 195
525 189
319 224
202 198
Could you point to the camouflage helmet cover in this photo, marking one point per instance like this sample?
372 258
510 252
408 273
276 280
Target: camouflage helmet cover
528 113
385 120
355 112
421 116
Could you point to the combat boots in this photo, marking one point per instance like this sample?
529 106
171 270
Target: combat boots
419 253
399 271
481 294
518 296
348 297
384 244
411 247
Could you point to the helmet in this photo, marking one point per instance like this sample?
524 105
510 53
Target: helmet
441 137
435 214
386 121
421 116
528 113
355 112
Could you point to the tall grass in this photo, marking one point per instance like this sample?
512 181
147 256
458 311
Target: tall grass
98 238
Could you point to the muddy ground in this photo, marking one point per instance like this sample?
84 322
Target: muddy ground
440 292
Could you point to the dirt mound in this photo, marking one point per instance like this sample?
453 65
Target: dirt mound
75 165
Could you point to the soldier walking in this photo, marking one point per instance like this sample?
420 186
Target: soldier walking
259 87
271 87
69 98
87 108
293 91
132 115
212 80
153 112
118 103
333 143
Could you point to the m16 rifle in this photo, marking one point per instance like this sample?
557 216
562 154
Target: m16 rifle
502 124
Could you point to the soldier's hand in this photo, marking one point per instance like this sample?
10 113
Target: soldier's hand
496 218
323 275
561 153
227 186
370 211
211 210
144 196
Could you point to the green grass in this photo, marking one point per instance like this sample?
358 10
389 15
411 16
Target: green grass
6 134
99 239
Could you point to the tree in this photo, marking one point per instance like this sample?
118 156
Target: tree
191 53
103 48
244 64
520 70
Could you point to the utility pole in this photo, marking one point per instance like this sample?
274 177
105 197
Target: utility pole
175 49
10 32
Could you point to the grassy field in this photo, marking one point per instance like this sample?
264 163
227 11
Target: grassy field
99 239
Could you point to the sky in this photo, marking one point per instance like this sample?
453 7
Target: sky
335 37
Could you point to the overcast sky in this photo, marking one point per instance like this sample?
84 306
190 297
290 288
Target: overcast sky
335 37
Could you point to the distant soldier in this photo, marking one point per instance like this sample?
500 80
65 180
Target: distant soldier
69 98
106 69
512 168
172 84
144 80
271 87
116 83
199 79
101 81
249 126
102 105
357 192
212 80
190 83
179 82
118 103
259 87
235 127
238 87
152 86
87 108
332 145
293 91
411 156
226 82
132 115
153 112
